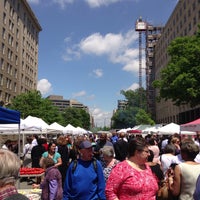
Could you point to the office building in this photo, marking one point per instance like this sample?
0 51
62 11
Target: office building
183 21
19 38
62 103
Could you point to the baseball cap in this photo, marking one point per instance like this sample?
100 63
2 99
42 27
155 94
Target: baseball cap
85 145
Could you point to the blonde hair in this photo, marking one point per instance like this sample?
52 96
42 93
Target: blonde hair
9 167
62 140
108 151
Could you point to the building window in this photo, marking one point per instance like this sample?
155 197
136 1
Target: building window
4 33
15 75
7 97
1 79
15 87
193 6
17 33
4 18
16 60
194 21
189 13
2 64
5 4
3 48
189 27
18 7
18 21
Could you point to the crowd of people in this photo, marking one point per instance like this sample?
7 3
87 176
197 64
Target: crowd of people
113 167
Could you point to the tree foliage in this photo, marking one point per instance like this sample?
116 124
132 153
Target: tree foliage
32 103
135 98
143 118
76 117
124 118
135 112
180 80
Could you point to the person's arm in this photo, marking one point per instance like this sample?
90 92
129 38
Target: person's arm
67 185
175 181
41 161
59 162
101 182
197 190
113 184
53 187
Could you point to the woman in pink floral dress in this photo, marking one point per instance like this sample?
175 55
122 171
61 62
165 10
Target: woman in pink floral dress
132 179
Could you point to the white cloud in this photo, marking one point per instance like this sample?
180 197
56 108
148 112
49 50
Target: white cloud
98 73
91 3
133 87
79 94
70 54
99 45
119 48
63 3
99 3
34 2
101 118
44 86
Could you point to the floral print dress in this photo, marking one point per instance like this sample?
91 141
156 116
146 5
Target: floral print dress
128 183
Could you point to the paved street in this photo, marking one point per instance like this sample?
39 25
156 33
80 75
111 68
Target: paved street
23 185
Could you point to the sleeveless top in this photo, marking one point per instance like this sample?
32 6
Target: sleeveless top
189 174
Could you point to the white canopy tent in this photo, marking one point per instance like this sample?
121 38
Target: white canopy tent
35 123
55 127
169 129
173 128
69 129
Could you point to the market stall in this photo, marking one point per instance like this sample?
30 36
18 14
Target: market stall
30 172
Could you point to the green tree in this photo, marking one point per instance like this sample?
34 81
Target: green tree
135 112
124 118
143 118
136 98
76 117
32 103
180 79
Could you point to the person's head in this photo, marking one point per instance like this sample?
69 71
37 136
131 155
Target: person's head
138 148
9 167
40 141
8 142
47 162
170 148
61 140
35 136
189 150
103 137
151 156
29 139
52 147
85 150
122 135
107 153
175 140
152 141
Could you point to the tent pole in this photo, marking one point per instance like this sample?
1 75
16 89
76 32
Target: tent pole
19 142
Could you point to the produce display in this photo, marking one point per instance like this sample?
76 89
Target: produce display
26 171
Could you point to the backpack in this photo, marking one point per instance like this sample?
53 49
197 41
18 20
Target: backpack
75 162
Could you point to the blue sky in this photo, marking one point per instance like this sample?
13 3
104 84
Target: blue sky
88 49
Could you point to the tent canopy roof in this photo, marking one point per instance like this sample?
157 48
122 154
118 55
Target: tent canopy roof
8 116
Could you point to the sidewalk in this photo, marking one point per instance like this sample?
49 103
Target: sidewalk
23 184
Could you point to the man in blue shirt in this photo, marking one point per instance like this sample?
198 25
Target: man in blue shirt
84 179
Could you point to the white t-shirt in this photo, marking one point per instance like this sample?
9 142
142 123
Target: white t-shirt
166 161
